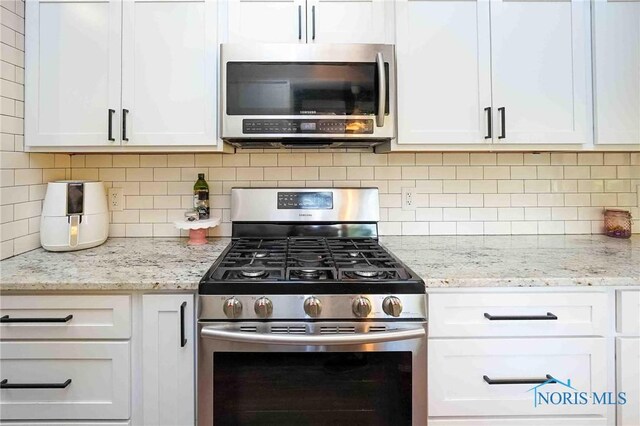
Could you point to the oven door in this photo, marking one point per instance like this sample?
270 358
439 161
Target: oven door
308 92
312 374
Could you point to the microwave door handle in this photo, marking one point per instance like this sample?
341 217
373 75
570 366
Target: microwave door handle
223 333
382 90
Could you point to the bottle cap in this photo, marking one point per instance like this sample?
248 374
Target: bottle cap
200 175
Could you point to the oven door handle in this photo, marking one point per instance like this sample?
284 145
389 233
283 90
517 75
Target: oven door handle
223 333
382 90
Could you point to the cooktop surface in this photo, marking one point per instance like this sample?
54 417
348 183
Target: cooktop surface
300 265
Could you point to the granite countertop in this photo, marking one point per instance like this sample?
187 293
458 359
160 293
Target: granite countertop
447 261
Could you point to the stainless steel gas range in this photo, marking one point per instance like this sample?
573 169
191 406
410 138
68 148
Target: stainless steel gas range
305 319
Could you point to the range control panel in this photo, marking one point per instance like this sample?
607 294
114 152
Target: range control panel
305 200
307 126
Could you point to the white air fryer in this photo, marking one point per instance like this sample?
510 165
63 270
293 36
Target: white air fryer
74 216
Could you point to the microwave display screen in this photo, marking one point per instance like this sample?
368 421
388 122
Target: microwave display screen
297 88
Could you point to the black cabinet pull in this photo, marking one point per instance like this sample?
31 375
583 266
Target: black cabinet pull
549 316
503 126
489 123
532 381
183 337
4 384
111 112
299 22
124 124
6 319
313 22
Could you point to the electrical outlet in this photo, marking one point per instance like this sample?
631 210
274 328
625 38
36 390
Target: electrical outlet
115 199
408 198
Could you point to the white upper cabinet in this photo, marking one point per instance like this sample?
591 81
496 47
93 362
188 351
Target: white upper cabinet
616 39
346 21
308 21
267 21
540 71
444 74
72 73
169 73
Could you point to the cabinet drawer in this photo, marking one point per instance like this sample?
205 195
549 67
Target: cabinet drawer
517 314
628 312
99 374
87 317
457 371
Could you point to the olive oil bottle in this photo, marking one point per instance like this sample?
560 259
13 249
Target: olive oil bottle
201 197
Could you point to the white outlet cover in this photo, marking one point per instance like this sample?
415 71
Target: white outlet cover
408 198
115 199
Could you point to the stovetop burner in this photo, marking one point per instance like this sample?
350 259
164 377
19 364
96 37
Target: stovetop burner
342 265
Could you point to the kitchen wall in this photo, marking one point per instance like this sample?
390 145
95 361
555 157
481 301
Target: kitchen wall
22 175
458 193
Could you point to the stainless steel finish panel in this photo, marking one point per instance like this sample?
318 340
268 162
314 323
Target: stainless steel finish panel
291 306
364 337
261 205
232 124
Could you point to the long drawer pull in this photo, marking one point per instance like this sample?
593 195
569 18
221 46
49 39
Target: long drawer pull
5 385
5 319
549 317
532 381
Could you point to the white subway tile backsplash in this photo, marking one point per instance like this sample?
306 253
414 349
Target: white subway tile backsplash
497 172
429 214
577 200
455 193
470 172
456 186
590 159
442 228
469 200
510 159
401 159
442 200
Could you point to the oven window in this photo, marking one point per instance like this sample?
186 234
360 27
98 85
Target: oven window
257 88
363 388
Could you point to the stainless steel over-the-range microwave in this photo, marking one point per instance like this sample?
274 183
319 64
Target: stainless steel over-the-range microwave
307 95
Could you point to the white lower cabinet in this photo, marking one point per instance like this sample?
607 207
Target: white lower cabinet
168 378
628 380
478 377
74 380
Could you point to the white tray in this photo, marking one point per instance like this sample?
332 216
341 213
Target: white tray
197 224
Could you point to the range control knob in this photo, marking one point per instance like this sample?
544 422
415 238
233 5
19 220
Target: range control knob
361 306
263 307
312 306
232 307
392 306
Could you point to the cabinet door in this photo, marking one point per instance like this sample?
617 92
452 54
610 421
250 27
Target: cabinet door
72 72
444 74
267 21
616 38
168 359
541 58
169 72
628 378
346 21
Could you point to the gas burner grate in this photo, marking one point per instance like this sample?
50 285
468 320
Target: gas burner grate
308 259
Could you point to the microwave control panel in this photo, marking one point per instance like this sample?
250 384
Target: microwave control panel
307 126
